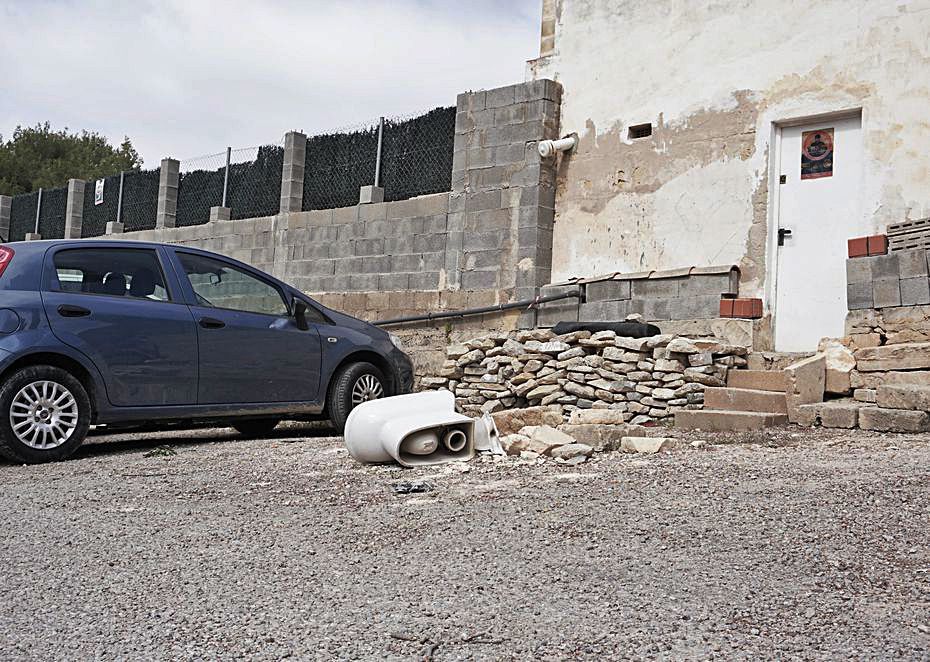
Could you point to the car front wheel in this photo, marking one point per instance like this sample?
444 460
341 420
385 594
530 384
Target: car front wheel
44 415
354 384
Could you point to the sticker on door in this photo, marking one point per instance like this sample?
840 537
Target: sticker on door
817 154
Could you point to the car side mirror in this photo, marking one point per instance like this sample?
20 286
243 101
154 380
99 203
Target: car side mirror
300 315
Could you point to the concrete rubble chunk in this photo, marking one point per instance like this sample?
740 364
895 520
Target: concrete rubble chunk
568 451
804 383
893 420
648 445
682 346
602 437
903 397
545 436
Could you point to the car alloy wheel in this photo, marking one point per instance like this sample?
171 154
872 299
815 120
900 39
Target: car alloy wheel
367 387
43 415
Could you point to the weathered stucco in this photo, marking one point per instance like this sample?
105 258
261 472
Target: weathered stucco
713 78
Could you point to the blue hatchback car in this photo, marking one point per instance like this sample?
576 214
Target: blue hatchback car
125 332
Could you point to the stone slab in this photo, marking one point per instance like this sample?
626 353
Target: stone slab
760 380
805 381
903 397
742 399
905 356
726 421
893 420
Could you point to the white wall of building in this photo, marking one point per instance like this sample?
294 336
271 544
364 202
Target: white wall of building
712 78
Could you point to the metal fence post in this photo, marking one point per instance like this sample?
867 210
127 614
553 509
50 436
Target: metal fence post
226 175
33 236
116 227
374 193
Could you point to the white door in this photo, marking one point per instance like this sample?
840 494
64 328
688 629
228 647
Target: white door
820 166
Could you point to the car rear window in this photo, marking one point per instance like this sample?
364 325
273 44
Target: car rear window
123 272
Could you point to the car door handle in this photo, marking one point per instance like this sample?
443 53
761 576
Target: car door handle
211 323
72 311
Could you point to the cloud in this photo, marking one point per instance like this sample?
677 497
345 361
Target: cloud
188 77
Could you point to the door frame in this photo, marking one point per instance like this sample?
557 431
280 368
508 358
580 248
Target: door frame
772 253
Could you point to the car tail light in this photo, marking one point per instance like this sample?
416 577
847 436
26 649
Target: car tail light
6 255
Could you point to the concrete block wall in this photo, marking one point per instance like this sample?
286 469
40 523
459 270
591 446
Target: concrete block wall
900 278
501 208
680 294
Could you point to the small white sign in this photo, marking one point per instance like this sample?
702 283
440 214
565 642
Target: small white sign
98 192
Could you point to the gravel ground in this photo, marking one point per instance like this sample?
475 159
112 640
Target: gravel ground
199 545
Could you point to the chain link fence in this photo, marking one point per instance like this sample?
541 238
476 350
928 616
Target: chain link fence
407 156
413 157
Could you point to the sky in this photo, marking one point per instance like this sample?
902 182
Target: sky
185 78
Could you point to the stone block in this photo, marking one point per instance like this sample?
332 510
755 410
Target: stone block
915 291
906 356
805 381
903 397
886 292
608 290
912 263
840 362
833 415
864 395
859 295
602 437
893 420
480 280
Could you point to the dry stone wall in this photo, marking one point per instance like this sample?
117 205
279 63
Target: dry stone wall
641 380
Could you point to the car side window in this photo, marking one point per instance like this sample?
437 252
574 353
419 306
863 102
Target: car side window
121 272
219 284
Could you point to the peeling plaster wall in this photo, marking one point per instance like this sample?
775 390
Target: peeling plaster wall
713 77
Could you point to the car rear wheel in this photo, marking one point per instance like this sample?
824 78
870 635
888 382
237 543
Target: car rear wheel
256 427
44 415
354 384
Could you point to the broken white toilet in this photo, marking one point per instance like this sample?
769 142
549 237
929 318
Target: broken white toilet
415 430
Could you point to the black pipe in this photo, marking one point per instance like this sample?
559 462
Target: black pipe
525 303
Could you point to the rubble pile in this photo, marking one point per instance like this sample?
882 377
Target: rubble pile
642 380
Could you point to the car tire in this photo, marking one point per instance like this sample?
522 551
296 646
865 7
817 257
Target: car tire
258 427
352 385
44 415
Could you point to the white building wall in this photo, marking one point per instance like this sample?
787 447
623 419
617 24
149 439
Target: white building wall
713 77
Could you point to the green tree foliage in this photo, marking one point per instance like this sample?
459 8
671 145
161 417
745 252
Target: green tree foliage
38 157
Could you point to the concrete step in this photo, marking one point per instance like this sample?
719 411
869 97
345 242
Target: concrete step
715 420
760 380
745 399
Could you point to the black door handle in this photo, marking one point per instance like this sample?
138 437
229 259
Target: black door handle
211 323
72 311
782 233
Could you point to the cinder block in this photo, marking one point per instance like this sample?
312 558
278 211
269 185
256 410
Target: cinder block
604 311
608 290
363 282
370 194
912 263
480 280
885 267
424 280
859 296
886 292
704 284
501 96
859 271
915 291
694 307
659 287
653 309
